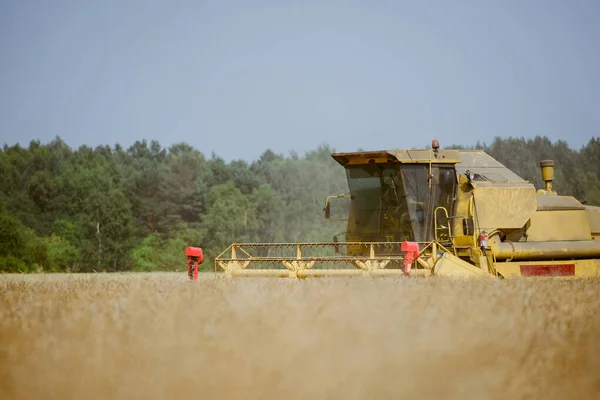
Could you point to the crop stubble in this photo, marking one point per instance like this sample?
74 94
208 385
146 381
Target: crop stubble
157 336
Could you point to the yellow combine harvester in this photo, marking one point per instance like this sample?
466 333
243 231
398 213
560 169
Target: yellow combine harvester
438 212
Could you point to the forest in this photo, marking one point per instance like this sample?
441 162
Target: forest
108 209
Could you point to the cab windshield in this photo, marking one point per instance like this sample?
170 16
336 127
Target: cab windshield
391 202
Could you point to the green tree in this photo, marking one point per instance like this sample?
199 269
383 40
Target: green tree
231 217
269 214
11 239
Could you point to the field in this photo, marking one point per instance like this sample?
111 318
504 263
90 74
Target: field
159 336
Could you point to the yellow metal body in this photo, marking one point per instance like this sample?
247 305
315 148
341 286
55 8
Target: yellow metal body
471 216
452 266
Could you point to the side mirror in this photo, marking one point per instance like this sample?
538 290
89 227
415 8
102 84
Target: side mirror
327 210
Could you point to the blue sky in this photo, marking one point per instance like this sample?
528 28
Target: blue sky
239 77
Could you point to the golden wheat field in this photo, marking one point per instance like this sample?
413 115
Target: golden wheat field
159 336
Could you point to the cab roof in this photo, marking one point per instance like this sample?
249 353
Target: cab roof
398 156
482 165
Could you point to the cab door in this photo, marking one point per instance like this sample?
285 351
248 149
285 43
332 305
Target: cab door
443 192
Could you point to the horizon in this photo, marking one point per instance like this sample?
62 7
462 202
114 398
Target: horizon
212 154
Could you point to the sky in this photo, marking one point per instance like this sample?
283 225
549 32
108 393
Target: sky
239 77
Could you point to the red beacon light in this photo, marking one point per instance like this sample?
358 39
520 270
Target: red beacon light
435 144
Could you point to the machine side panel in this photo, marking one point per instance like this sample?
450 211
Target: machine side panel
593 214
547 269
504 207
480 162
547 202
558 225
571 268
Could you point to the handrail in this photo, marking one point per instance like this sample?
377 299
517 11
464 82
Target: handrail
435 224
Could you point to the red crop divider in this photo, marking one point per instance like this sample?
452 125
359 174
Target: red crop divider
411 253
195 257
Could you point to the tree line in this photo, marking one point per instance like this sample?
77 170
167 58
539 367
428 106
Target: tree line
137 208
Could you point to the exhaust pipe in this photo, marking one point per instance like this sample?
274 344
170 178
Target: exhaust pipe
548 174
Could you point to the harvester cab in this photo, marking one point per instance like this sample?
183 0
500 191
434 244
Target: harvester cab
399 196
460 212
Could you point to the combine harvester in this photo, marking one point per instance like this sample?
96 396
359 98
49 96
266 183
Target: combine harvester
438 212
